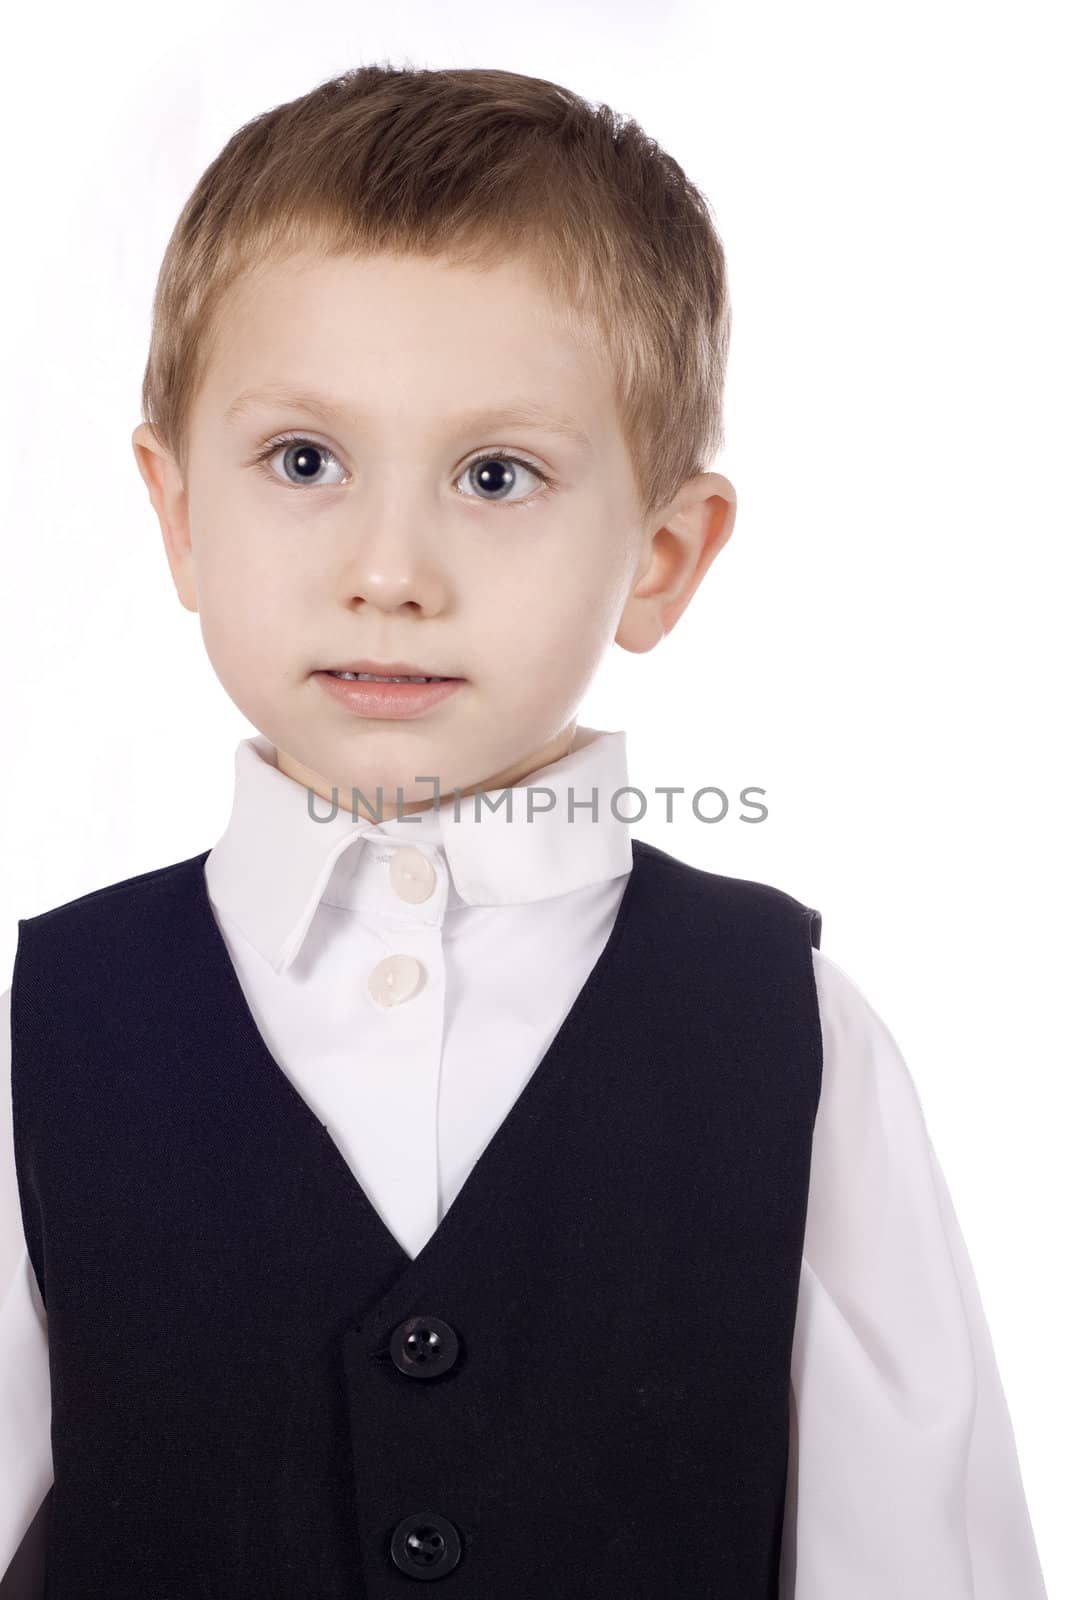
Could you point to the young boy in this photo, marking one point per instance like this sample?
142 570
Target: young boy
403 1192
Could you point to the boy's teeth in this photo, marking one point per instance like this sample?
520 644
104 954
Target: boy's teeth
369 677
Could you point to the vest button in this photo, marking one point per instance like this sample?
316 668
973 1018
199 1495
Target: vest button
394 980
424 1347
412 876
426 1545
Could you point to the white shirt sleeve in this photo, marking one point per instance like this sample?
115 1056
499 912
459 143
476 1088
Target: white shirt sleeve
25 1390
904 1476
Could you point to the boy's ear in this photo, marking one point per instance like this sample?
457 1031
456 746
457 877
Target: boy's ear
170 502
677 555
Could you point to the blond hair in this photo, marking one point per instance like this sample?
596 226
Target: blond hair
475 166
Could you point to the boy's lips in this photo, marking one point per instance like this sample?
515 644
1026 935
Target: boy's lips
389 701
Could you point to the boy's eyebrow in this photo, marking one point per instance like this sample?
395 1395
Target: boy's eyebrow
518 413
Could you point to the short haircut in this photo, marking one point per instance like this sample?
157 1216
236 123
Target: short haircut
476 167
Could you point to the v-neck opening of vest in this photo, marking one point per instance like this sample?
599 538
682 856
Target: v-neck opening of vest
502 1150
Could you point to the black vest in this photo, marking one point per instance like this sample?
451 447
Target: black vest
577 1390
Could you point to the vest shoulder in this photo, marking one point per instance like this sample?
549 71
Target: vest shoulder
84 909
744 895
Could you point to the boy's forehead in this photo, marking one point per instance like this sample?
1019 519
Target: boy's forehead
421 281
489 340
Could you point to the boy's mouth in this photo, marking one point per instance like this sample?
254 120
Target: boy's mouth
375 695
387 672
370 677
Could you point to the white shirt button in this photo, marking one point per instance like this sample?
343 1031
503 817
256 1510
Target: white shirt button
412 875
394 980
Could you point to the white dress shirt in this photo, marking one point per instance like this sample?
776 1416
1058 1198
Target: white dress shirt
409 976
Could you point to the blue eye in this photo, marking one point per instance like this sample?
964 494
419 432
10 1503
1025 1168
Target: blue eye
494 471
305 455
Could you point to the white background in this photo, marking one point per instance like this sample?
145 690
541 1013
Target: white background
877 646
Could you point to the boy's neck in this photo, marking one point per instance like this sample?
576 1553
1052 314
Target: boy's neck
388 808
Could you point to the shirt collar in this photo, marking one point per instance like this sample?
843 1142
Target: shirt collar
271 867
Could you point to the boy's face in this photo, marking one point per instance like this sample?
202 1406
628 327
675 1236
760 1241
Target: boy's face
374 533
